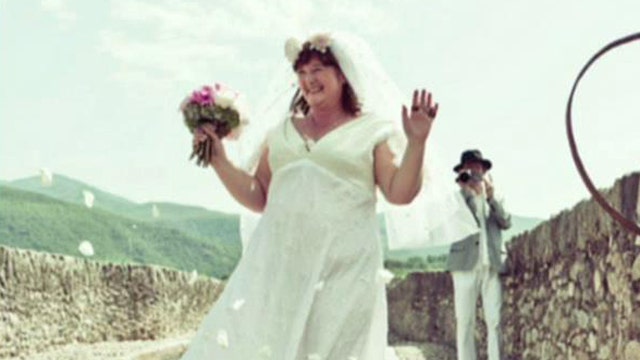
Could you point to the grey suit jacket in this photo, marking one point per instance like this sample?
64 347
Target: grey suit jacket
463 255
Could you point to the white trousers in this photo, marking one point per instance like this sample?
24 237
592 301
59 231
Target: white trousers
467 285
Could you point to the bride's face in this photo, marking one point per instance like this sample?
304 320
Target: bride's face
320 84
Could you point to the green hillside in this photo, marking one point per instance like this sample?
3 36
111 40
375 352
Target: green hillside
405 261
519 225
192 220
35 221
137 235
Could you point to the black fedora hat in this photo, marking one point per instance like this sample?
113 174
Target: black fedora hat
472 156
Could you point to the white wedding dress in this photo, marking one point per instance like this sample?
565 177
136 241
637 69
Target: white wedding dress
310 284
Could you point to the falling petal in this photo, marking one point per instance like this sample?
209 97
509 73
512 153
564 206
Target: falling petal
352 358
319 286
238 304
86 248
223 339
385 275
193 277
88 198
314 357
155 211
265 352
46 178
134 226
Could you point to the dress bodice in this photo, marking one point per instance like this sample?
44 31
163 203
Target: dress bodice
347 151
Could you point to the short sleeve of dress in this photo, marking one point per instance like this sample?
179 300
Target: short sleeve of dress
386 131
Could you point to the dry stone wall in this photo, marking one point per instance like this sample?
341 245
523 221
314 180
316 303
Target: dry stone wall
573 290
48 300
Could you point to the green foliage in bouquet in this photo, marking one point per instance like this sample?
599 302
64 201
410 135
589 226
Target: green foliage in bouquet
223 119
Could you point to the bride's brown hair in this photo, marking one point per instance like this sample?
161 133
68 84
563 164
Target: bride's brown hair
349 100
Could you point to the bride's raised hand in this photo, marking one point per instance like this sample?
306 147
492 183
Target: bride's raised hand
417 122
214 149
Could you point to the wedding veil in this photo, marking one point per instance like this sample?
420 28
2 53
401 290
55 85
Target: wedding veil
437 216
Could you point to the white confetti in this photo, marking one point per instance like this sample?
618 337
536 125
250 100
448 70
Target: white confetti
155 212
238 304
193 277
46 178
223 339
265 352
319 286
385 275
88 198
86 248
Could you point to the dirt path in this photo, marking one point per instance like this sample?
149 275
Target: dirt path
171 349
166 349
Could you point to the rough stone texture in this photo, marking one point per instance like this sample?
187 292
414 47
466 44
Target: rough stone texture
47 300
632 351
572 292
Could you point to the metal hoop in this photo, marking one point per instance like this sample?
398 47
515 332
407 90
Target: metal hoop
627 223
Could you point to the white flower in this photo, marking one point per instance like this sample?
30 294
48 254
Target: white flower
46 178
224 98
86 248
385 275
292 48
238 304
320 42
223 339
88 198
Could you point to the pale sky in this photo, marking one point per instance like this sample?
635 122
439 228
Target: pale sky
90 89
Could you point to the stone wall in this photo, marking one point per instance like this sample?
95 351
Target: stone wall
573 290
48 300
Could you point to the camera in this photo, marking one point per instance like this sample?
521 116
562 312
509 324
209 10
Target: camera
469 176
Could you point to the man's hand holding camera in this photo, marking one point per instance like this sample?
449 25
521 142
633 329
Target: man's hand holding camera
473 174
478 183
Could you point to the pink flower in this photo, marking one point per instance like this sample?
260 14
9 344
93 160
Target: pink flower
203 97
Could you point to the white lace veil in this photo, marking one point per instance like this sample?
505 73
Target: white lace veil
437 216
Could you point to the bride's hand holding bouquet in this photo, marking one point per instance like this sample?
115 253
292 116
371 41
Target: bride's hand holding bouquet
211 114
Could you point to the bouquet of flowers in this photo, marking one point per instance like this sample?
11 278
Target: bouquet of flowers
217 105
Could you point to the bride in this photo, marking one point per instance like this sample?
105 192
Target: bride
309 283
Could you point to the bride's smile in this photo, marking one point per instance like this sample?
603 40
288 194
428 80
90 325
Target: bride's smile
321 85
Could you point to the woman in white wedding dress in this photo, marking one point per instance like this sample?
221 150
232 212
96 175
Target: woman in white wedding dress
310 284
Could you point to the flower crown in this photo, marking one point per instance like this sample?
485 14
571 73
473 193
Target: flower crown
293 47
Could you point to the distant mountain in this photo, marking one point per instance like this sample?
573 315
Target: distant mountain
219 230
192 220
34 221
519 224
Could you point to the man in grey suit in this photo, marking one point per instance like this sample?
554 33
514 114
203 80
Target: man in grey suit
475 261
